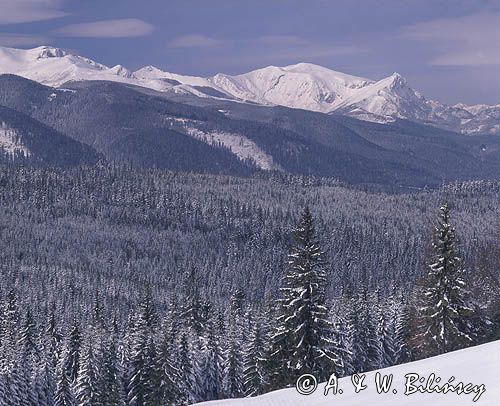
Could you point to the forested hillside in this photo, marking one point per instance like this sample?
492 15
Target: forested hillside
149 129
123 279
153 226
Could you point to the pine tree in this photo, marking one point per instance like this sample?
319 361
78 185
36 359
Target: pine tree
193 313
444 317
141 390
168 377
233 378
15 386
366 346
28 342
254 366
212 364
64 393
44 384
403 351
111 374
10 324
187 373
303 340
53 338
4 390
386 332
344 334
88 392
237 306
72 356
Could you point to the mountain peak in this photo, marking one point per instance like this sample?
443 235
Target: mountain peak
303 85
398 79
48 52
122 71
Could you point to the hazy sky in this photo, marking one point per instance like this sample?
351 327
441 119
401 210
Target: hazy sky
447 49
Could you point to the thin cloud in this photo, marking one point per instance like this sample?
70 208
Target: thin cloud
26 11
195 41
272 47
282 40
293 48
124 28
472 40
21 40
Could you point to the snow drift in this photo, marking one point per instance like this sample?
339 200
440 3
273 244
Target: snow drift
478 365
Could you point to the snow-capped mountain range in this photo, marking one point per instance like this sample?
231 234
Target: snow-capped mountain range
302 86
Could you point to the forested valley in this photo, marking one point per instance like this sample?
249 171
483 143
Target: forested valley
144 287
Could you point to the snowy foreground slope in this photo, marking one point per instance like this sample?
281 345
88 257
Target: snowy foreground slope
302 86
479 365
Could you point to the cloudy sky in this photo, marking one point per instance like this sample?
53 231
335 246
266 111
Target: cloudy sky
448 49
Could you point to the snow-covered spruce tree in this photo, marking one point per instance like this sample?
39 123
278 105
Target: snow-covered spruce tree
235 343
11 320
187 371
212 364
254 365
168 376
71 357
44 384
52 337
64 394
14 386
28 342
233 377
192 311
302 342
344 333
365 344
403 350
4 391
141 389
386 333
111 373
88 392
445 312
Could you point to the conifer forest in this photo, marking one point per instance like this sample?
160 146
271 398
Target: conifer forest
145 287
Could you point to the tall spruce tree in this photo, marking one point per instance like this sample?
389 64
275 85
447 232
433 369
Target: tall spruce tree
168 375
71 358
141 390
403 350
444 316
254 366
303 342
111 375
212 364
88 390
187 371
64 394
366 346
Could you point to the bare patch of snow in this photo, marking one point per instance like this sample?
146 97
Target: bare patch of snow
244 148
11 143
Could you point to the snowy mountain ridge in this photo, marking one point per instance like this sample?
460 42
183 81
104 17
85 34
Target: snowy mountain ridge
302 86
477 365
